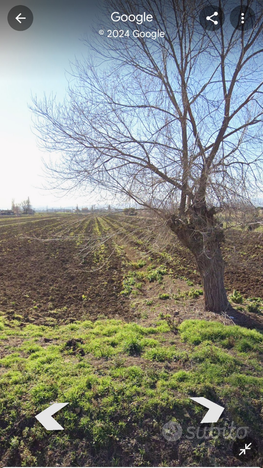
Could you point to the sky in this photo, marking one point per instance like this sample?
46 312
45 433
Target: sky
34 62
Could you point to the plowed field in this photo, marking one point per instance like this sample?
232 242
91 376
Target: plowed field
65 268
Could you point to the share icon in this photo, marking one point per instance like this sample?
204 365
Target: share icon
211 18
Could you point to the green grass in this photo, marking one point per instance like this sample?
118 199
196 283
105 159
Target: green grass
198 331
134 279
114 376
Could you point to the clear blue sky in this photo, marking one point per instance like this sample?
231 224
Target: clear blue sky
33 62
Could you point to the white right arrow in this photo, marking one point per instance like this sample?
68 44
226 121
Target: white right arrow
214 411
45 417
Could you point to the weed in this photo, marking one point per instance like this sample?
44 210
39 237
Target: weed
139 264
133 347
180 295
236 297
190 283
195 293
172 321
156 274
149 302
160 354
164 296
128 284
144 315
254 307
135 292
166 256
14 442
140 275
255 299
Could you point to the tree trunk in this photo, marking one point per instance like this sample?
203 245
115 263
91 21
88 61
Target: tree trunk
211 267
203 239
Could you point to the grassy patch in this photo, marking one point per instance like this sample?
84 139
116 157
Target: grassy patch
198 331
122 382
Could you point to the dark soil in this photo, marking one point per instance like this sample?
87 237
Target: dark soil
243 254
45 282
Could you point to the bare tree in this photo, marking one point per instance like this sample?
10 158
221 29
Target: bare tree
172 122
15 208
26 207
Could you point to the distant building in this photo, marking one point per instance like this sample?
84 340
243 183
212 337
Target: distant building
28 211
130 211
6 213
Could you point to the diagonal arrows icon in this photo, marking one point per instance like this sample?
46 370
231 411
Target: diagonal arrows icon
45 417
214 410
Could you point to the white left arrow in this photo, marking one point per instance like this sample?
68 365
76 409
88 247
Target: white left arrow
214 410
19 17
45 417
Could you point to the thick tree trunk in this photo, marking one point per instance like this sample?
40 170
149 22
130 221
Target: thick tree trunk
211 268
203 239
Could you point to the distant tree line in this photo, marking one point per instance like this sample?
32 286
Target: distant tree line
24 208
